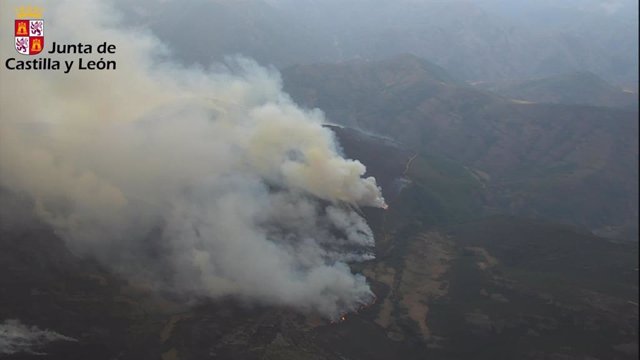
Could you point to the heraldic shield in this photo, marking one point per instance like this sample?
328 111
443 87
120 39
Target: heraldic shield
29 36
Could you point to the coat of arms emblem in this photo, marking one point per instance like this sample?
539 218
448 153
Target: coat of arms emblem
29 30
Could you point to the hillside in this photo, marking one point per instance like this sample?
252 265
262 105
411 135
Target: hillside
567 163
580 88
449 285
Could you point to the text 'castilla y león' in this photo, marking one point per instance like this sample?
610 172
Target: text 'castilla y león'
81 63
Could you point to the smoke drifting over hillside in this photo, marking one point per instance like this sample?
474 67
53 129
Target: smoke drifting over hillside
206 181
16 337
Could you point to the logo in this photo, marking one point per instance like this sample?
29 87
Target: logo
28 35
29 30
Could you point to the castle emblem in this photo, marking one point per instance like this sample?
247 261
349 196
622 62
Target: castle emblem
29 30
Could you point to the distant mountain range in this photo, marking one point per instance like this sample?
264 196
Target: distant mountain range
568 163
486 40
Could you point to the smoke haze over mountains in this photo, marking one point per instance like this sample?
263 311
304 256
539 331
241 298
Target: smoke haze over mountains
481 40
320 179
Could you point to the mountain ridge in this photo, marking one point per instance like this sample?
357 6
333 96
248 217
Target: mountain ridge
571 163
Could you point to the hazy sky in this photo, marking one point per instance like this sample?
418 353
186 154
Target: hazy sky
474 40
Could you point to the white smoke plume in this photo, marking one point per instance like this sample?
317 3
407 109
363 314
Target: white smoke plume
209 182
16 337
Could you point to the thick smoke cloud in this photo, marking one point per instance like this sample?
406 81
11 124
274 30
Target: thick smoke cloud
209 182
